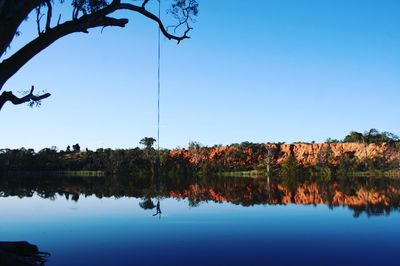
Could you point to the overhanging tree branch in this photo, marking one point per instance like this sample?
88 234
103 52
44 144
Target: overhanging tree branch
86 15
151 16
98 19
30 97
11 65
12 14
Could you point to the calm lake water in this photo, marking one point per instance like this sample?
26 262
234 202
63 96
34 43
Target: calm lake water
207 221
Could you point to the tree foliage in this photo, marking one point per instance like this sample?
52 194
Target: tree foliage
371 136
147 142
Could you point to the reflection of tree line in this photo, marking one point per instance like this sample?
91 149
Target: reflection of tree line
373 196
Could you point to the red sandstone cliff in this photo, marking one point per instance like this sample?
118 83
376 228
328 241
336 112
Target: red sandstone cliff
306 154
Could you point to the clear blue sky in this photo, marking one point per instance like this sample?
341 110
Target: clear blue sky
267 71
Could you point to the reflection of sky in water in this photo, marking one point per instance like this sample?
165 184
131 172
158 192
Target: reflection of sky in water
112 231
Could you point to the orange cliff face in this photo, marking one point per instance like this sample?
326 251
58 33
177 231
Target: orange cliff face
305 153
308 153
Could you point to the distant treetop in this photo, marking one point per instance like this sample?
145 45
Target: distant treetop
371 136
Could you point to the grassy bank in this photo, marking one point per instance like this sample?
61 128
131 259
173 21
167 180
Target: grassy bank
263 173
252 173
54 173
376 173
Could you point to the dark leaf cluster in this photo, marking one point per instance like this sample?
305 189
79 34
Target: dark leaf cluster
371 136
89 6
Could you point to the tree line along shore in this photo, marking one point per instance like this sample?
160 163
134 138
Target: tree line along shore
369 153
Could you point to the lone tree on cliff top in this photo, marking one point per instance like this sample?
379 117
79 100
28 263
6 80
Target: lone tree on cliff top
85 15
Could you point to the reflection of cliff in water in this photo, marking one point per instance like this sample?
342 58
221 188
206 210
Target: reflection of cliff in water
375 196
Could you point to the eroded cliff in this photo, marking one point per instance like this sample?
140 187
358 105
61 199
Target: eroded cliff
305 153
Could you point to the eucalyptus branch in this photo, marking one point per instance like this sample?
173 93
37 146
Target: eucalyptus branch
85 16
30 97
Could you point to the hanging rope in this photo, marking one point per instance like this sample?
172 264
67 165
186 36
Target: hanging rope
158 84
158 113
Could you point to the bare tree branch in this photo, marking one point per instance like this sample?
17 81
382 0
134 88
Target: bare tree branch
39 16
145 3
144 12
59 18
49 14
30 97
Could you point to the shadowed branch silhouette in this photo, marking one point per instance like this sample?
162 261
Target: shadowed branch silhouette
30 97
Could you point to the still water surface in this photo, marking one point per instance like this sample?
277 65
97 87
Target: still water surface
82 223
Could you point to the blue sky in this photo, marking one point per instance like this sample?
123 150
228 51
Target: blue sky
285 70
